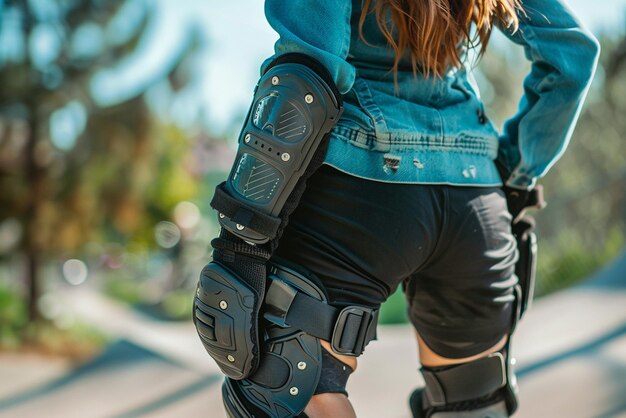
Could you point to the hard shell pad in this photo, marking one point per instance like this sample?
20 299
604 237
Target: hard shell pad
226 315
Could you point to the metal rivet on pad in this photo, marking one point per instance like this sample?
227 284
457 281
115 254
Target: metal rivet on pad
275 80
223 304
308 98
222 216
293 390
247 138
302 365
231 358
285 156
239 227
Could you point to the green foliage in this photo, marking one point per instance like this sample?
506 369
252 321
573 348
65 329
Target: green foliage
78 168
572 260
125 290
12 317
178 304
393 311
77 341
175 305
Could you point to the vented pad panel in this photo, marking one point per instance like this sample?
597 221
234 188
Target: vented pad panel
281 118
255 179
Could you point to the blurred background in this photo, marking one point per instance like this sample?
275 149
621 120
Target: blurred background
118 118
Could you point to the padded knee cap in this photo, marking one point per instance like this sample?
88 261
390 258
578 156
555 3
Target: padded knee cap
226 311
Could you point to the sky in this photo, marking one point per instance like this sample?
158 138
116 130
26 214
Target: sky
238 40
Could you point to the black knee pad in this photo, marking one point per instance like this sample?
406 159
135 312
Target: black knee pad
296 316
290 364
485 387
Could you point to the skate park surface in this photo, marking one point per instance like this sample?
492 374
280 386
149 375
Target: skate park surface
570 350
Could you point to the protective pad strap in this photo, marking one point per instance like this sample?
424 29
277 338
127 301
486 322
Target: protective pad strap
466 381
249 216
526 266
348 330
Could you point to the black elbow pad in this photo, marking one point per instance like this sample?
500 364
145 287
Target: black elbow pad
295 106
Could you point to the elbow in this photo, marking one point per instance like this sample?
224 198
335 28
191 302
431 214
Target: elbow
574 66
592 53
572 56
586 54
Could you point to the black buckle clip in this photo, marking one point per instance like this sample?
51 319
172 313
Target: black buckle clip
278 300
350 344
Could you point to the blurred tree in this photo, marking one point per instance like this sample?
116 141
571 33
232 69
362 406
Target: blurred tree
70 168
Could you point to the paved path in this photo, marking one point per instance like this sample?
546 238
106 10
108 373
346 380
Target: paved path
571 351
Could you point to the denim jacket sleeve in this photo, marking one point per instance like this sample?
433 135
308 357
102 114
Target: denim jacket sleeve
564 56
320 29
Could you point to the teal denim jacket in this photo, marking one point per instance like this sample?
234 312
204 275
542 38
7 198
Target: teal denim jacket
431 130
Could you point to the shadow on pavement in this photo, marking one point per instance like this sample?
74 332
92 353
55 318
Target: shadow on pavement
118 356
613 276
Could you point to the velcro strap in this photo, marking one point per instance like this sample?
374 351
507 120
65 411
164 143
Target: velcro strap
465 382
243 214
349 329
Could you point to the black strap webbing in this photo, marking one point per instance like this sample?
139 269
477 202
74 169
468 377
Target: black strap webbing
349 329
247 216
313 316
466 381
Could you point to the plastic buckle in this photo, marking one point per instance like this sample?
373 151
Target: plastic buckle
367 318
278 300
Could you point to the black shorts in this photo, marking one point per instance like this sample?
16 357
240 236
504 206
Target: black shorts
450 247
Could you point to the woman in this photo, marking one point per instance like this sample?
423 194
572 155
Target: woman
409 193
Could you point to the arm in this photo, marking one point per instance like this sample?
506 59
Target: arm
564 56
320 29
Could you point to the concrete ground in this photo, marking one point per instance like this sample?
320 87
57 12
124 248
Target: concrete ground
571 351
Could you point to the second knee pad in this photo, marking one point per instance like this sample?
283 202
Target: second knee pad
479 388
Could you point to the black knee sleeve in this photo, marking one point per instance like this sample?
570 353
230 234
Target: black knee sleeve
334 376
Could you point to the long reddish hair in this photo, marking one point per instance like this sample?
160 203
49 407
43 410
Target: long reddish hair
433 30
